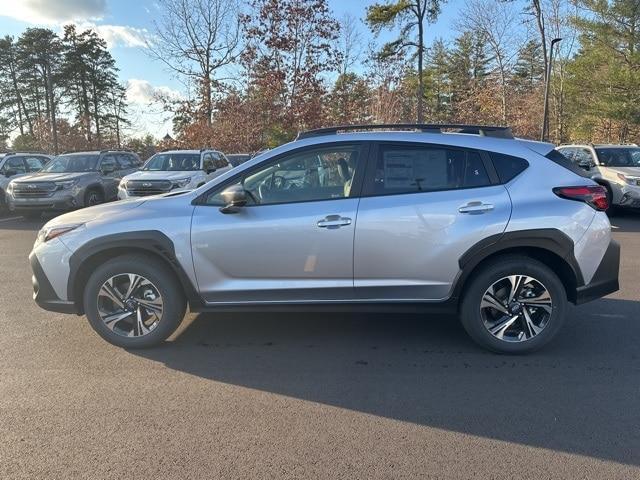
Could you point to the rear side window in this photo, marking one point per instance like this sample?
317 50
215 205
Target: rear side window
412 169
507 166
558 158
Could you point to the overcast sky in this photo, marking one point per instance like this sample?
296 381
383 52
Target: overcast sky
124 25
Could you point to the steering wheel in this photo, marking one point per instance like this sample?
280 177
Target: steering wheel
279 182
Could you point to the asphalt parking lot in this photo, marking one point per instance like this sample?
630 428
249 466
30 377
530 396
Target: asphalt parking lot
318 395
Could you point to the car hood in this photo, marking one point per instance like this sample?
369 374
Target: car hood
161 175
106 210
51 177
630 171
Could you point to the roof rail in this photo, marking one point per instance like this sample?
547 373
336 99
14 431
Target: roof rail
482 130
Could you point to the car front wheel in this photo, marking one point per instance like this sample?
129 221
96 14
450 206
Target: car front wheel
514 305
134 301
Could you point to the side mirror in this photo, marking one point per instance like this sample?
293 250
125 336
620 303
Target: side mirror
10 173
210 170
106 169
234 197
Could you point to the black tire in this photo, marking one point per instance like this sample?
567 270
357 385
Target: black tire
613 209
93 197
492 272
174 302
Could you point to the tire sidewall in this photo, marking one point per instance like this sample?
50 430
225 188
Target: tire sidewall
174 304
472 319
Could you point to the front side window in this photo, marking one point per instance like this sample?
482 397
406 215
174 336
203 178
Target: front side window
124 161
619 157
108 164
413 169
72 163
207 163
34 164
308 175
173 162
14 165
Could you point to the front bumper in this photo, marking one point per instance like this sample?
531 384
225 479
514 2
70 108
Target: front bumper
43 292
605 280
56 202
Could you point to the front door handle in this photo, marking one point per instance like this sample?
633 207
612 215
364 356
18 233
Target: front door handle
476 208
334 221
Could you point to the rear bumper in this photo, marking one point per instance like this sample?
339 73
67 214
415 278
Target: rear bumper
43 293
605 280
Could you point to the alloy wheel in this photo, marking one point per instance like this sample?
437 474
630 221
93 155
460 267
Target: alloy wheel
516 308
130 305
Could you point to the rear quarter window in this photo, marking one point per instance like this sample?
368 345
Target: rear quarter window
508 166
559 159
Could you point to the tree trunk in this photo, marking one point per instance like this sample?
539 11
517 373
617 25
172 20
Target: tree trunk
52 109
420 68
96 117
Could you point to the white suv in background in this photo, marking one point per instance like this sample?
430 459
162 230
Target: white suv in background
174 170
616 167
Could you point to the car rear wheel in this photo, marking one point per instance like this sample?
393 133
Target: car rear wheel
514 305
134 301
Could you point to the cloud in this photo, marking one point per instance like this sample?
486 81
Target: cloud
119 35
141 92
53 11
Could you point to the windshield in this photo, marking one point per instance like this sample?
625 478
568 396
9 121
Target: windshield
173 162
619 157
72 163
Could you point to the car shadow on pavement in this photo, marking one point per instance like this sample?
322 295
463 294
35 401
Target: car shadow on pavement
579 395
625 221
22 224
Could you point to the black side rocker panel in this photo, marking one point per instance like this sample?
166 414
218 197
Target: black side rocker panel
153 241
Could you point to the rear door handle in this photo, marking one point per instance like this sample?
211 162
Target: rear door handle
334 221
476 208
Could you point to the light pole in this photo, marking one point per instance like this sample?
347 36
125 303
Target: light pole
547 80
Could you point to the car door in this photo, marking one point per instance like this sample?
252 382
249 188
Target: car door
423 206
293 241
111 175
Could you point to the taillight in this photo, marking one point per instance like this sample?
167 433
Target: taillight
593 195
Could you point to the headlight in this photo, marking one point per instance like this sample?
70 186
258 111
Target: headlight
10 187
629 180
123 184
66 184
48 233
180 183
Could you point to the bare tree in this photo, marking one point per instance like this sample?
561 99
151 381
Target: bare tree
496 23
197 38
350 43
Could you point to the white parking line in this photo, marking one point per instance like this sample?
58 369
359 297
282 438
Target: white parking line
9 219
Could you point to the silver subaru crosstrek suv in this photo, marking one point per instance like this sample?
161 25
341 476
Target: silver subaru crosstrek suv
430 218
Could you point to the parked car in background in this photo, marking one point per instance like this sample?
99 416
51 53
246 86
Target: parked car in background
497 229
71 181
236 159
17 164
174 170
616 167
